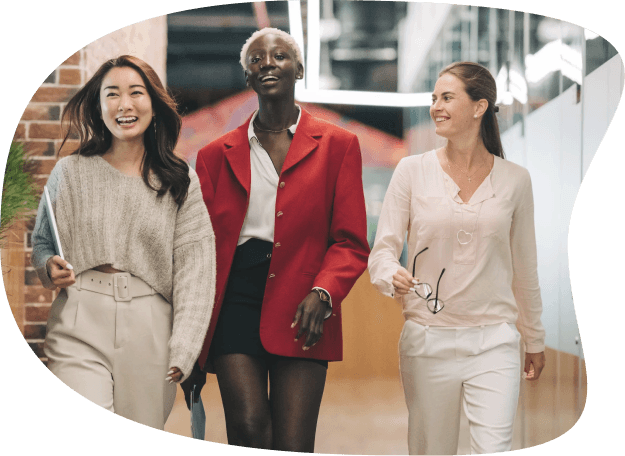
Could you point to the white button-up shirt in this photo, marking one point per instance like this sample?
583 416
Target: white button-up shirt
260 219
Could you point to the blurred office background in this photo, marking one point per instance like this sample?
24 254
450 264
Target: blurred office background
370 68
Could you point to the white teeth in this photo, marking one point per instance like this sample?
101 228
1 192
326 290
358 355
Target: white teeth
441 119
126 120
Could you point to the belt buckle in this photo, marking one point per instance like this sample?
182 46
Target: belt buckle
121 286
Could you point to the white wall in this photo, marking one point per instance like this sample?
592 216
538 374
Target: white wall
560 140
146 40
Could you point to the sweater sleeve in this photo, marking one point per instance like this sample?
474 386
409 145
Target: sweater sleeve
524 269
391 231
42 237
193 279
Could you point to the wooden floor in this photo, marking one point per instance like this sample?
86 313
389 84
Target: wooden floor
370 416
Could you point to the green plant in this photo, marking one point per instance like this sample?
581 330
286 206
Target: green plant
20 194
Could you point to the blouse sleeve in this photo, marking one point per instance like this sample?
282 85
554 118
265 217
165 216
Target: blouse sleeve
524 271
193 281
391 232
42 237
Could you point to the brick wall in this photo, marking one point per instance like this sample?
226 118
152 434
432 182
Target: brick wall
39 130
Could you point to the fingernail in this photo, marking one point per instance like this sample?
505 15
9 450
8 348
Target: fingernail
415 282
294 340
170 372
168 378
412 289
171 381
69 266
305 348
292 325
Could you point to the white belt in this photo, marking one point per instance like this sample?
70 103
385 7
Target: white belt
123 286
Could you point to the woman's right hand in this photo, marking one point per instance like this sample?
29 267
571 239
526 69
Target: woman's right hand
195 381
61 273
403 282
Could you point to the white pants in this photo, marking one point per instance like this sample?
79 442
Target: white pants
114 353
443 367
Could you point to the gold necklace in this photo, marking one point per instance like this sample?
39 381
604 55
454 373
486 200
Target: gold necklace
271 131
461 170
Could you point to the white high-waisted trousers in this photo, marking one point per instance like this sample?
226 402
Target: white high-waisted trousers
442 368
114 353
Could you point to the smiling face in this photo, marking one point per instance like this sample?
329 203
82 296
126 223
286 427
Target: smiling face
272 66
125 104
452 109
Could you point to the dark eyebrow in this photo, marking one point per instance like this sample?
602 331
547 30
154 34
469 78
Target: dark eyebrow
443 94
279 47
132 86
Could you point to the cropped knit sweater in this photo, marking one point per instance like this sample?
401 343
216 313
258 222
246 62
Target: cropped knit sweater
107 217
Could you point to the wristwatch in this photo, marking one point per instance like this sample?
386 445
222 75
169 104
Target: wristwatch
322 295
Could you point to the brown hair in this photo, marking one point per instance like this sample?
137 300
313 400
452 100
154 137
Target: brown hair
480 84
83 114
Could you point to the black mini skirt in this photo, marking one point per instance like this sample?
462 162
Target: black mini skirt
238 324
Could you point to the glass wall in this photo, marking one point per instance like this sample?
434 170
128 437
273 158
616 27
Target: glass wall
558 86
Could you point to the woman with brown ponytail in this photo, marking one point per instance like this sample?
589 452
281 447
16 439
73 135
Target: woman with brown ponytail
469 216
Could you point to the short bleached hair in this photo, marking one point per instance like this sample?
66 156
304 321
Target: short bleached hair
269 31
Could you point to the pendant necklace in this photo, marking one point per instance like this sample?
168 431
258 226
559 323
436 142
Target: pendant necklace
463 236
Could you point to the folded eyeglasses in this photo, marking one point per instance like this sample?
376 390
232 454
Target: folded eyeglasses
424 290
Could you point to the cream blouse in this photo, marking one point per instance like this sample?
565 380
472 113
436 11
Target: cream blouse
491 277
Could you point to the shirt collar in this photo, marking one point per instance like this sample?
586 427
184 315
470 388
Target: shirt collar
251 134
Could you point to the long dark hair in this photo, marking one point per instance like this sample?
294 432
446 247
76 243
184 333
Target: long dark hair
480 84
83 115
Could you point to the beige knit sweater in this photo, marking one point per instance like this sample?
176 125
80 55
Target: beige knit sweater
107 217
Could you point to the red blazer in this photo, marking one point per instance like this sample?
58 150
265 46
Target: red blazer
320 225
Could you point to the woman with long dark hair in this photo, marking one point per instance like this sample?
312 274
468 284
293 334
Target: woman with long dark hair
138 276
469 216
285 195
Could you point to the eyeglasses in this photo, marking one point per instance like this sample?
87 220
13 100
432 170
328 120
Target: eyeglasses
424 290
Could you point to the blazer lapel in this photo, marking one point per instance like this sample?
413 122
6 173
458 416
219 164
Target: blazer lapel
238 155
304 141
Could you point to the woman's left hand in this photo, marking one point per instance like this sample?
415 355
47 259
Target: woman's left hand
174 375
534 364
311 314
